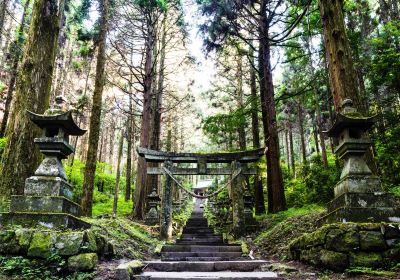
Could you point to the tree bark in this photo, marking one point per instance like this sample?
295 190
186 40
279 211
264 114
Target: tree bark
140 190
276 201
258 186
239 99
342 76
91 158
21 157
118 175
128 185
301 131
3 8
16 56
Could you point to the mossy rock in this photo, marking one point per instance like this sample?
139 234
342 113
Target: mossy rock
69 244
311 256
89 242
83 262
101 243
8 242
41 245
24 237
128 270
342 241
364 259
372 241
392 254
334 260
390 231
369 226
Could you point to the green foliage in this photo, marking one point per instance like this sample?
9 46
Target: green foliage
221 126
104 183
54 267
3 142
388 156
103 204
76 65
2 86
315 186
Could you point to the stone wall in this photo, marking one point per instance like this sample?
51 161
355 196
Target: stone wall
343 245
81 249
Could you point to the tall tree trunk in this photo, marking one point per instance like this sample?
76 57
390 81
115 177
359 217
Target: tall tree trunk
276 201
3 9
140 190
129 137
91 158
16 56
259 204
291 149
342 76
239 98
118 175
301 131
21 157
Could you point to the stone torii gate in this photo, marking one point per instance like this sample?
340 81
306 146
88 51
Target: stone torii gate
237 170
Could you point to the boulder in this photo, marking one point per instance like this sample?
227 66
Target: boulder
127 270
390 231
363 259
68 244
342 241
8 242
41 245
83 262
89 242
24 237
334 260
372 241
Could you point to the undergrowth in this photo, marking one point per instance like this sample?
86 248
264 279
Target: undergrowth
278 229
54 267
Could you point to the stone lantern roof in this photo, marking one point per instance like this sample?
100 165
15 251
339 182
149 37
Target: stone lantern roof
350 118
62 120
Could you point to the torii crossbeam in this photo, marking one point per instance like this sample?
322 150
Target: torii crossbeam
238 164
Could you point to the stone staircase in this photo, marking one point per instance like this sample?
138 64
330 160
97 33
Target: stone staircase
202 254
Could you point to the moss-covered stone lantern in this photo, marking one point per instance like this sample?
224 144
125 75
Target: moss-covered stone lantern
153 216
47 199
358 194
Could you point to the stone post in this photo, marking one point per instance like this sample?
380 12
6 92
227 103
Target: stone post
237 190
166 206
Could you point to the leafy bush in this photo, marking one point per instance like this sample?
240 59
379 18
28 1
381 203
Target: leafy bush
54 267
316 185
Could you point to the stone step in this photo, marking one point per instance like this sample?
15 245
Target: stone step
201 240
201 248
228 275
216 243
205 235
204 266
197 230
200 254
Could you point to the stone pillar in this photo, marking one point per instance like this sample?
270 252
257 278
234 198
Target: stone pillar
237 191
166 206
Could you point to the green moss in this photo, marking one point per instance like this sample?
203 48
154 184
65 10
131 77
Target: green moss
41 245
363 259
83 262
69 244
370 271
334 260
